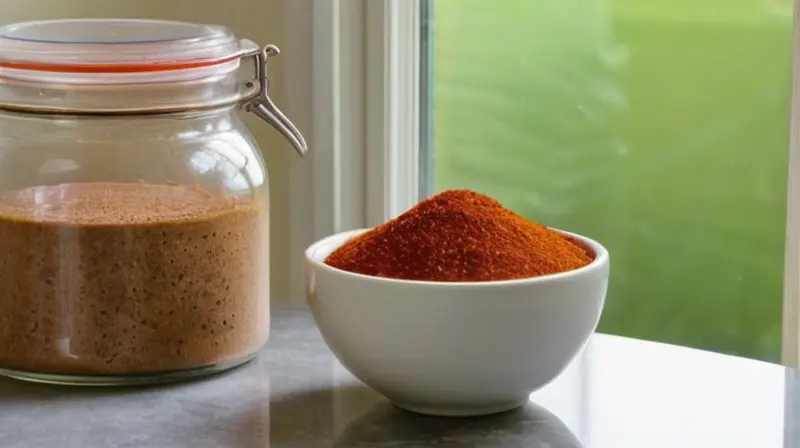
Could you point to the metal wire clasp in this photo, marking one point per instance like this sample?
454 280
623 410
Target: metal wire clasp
263 106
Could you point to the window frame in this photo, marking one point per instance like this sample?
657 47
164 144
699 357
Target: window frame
354 84
790 345
347 83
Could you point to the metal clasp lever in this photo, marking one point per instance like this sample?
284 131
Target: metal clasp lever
263 106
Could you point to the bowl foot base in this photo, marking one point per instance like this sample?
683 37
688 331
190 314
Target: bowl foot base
460 411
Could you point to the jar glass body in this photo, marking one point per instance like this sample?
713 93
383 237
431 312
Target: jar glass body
132 248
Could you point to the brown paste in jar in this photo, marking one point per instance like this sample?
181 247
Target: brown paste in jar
130 278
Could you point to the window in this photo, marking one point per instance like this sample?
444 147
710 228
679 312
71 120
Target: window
659 128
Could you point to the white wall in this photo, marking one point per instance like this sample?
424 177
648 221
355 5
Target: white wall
259 20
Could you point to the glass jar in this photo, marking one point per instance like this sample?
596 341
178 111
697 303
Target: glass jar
133 200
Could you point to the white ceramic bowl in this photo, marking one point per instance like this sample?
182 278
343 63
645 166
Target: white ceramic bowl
455 349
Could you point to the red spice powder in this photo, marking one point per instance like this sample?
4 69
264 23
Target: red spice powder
459 236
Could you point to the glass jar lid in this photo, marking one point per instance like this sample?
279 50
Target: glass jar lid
133 66
114 47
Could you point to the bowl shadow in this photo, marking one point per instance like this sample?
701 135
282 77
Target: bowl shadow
531 426
308 419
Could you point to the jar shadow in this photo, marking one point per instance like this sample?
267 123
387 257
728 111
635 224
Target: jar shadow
233 411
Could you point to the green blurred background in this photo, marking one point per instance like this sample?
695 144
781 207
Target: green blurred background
658 127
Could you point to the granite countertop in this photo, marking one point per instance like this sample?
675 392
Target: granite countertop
621 393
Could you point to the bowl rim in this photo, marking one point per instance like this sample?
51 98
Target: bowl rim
601 258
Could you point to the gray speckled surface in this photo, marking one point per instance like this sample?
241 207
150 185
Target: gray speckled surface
622 393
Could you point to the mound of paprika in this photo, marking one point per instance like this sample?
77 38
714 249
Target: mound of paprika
459 236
